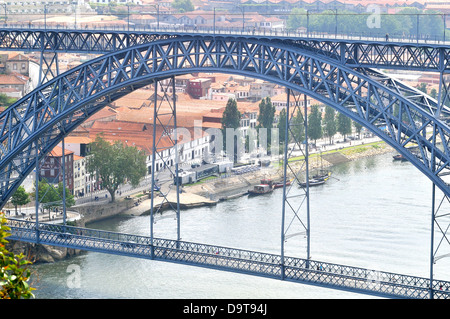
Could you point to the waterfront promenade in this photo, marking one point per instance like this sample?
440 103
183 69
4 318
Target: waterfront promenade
211 191
208 192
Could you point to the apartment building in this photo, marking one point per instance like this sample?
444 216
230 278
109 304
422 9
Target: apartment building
199 87
15 85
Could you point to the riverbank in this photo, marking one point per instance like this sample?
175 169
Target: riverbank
226 188
212 191
207 193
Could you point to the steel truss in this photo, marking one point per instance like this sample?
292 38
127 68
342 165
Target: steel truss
48 66
92 41
440 240
400 115
230 259
408 120
165 147
440 222
354 53
45 199
295 207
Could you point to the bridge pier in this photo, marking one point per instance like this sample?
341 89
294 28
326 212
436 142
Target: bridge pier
37 168
166 106
439 235
294 124
433 216
47 61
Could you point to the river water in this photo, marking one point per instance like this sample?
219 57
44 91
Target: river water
374 213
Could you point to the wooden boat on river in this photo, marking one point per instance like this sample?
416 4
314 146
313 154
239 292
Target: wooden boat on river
399 157
281 184
318 179
260 190
313 182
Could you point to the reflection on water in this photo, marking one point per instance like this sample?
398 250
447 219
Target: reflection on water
374 213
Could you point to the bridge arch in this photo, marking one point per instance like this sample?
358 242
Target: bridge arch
400 115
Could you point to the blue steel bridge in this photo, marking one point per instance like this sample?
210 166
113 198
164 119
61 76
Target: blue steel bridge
342 73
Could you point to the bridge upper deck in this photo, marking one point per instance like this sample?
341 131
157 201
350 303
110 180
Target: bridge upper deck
367 52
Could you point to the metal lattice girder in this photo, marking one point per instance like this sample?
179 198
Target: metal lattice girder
444 91
395 56
354 53
92 41
230 259
441 226
400 115
165 148
49 66
295 208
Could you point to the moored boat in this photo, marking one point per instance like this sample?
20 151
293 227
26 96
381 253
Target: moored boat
260 190
281 184
322 176
399 157
313 182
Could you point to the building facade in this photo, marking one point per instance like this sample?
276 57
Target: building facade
51 167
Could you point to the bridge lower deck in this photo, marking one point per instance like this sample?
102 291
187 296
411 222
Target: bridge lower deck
299 270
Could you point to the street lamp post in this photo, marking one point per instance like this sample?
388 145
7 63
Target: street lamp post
157 14
6 16
75 11
307 23
45 16
335 22
444 26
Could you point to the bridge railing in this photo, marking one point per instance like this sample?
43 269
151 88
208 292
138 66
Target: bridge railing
30 226
334 29
370 276
225 257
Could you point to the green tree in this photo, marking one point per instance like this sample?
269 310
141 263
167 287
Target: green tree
266 117
231 119
434 93
358 128
315 123
344 124
183 5
297 18
48 196
422 87
282 126
115 163
231 116
6 101
330 122
266 113
20 197
298 127
14 273
52 196
408 22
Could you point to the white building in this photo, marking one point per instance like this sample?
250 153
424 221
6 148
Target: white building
84 182
192 147
80 176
